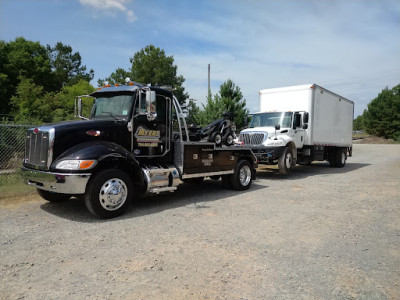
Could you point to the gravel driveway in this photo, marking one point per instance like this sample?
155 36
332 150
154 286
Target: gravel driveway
318 233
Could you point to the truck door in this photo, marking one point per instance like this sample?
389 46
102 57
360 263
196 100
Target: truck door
298 130
151 138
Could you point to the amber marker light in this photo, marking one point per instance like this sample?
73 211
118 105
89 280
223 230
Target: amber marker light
86 164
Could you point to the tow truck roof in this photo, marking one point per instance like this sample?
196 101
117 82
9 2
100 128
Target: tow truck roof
131 87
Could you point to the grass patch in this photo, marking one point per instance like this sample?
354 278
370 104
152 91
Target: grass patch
12 185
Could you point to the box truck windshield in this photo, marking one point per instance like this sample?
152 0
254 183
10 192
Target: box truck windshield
270 119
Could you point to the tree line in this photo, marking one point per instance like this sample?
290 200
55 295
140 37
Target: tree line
38 84
382 117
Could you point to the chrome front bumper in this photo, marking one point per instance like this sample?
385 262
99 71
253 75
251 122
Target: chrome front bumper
56 182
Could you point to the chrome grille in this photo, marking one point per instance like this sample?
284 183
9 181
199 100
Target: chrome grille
38 147
252 138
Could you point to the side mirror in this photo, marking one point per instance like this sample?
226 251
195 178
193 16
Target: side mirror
151 101
305 126
142 105
305 118
277 126
79 107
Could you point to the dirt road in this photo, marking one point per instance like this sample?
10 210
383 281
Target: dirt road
318 233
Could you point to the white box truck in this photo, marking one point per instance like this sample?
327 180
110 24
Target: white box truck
300 124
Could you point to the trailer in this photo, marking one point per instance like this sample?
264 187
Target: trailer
300 124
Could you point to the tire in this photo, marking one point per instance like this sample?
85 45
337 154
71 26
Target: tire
338 158
227 139
216 138
53 197
109 193
243 176
286 161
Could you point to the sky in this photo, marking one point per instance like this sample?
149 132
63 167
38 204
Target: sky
351 47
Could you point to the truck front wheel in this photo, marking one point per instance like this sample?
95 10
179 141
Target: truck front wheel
285 161
109 193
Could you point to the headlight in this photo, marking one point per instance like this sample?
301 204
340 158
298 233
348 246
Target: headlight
76 164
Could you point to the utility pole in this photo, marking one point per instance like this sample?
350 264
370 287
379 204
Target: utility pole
209 90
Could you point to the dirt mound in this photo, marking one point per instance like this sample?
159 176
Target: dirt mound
372 140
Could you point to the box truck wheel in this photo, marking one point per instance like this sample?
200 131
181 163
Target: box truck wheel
285 161
338 158
241 179
53 197
109 193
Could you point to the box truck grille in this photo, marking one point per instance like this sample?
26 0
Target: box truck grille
252 138
38 148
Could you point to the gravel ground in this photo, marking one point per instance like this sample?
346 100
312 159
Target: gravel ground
318 233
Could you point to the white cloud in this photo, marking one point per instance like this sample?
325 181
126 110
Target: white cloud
111 6
288 44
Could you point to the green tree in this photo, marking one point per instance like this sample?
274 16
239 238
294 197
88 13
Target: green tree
118 76
66 100
21 58
232 98
28 102
66 66
228 99
193 112
212 110
359 122
5 90
151 65
33 105
383 115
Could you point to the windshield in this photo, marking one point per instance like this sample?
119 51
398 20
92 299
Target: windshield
271 119
116 106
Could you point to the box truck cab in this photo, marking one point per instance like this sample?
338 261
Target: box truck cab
300 124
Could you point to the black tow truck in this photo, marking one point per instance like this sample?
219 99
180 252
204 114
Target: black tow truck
136 142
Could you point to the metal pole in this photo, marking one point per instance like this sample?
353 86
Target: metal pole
209 68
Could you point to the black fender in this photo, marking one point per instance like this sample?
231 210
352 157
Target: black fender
108 155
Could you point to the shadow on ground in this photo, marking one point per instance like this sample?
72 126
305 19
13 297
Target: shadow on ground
304 171
187 194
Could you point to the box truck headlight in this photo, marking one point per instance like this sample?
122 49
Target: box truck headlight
76 164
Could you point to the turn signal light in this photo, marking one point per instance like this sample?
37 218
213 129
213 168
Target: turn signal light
86 164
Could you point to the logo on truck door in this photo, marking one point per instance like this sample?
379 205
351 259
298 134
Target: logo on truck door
147 138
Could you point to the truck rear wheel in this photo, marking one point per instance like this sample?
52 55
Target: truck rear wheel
338 158
53 197
242 178
285 161
109 193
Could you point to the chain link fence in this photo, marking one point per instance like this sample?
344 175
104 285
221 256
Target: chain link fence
12 148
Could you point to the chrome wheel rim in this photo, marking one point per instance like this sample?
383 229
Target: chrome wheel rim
245 175
218 139
288 160
113 194
229 139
